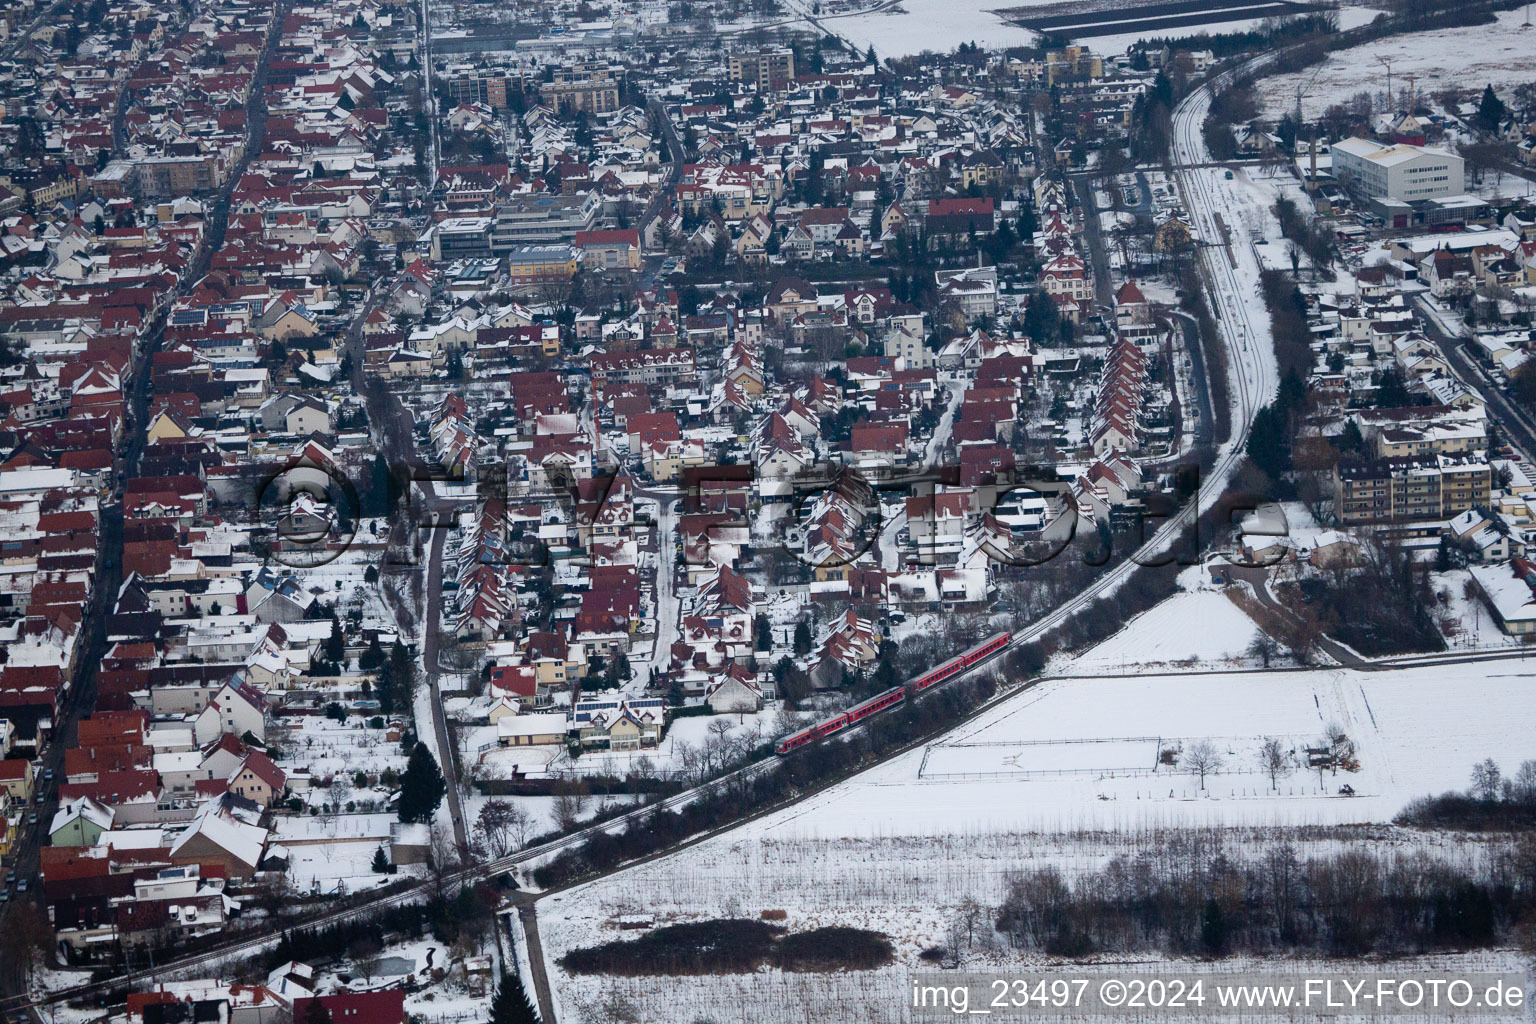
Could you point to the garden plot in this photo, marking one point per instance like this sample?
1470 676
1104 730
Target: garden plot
326 748
332 854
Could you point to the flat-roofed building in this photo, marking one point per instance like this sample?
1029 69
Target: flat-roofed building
767 69
543 219
1403 172
1394 490
533 265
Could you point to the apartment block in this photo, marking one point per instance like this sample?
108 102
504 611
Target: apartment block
594 95
767 69
168 176
1410 488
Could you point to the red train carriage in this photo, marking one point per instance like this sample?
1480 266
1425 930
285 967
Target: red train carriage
895 695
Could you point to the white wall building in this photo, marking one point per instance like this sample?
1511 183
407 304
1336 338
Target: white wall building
1406 173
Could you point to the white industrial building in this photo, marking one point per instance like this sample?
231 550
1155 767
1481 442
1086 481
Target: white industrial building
1402 172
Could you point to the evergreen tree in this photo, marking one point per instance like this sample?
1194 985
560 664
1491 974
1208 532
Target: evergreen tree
1268 445
1040 318
764 632
512 1005
1490 111
1213 929
1391 390
316 1013
372 657
1350 438
802 639
335 644
380 862
421 787
381 487
402 677
384 688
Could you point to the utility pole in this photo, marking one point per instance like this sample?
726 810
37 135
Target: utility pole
1387 63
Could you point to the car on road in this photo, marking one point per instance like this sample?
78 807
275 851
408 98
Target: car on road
10 878
32 818
21 885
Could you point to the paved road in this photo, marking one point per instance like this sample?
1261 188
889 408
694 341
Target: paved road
1098 254
447 752
528 913
1519 423
81 697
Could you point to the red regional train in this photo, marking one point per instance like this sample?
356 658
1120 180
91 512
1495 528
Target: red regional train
895 695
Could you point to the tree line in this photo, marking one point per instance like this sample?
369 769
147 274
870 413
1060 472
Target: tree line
1192 898
1494 802
732 946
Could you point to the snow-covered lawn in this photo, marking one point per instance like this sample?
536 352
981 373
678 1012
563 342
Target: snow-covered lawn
1500 54
665 756
1466 622
332 853
327 747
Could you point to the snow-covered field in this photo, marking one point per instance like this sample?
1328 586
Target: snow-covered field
909 27
1163 636
1502 54
897 850
902 28
1111 45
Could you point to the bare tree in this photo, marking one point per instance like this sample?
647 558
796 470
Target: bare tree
339 790
643 768
27 938
570 803
1487 780
364 953
275 894
1201 759
1523 783
720 728
503 827
970 914
1274 761
1341 749
442 855
689 760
